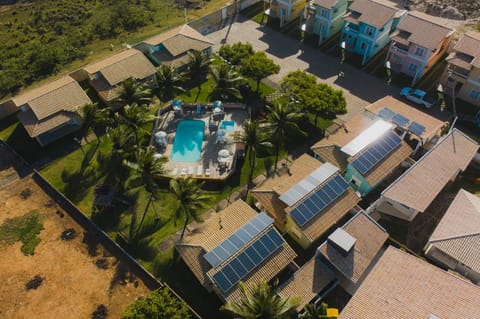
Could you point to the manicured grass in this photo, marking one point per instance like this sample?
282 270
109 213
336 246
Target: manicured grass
25 229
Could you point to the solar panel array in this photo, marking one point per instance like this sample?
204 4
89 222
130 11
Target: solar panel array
376 152
240 266
416 128
319 200
400 120
238 239
306 185
386 113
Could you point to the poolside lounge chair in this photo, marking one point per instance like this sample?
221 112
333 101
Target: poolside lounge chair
207 172
199 170
184 171
175 171
190 170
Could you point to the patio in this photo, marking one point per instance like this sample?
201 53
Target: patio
219 150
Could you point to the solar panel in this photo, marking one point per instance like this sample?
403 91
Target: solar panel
376 152
368 136
306 185
238 239
400 120
416 128
319 200
240 266
386 113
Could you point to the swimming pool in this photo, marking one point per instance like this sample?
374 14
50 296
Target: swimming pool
187 145
227 126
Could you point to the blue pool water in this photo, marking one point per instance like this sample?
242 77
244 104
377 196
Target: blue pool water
227 126
187 145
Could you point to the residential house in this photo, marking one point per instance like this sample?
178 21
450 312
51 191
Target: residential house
402 286
49 112
286 11
416 188
308 200
106 76
418 43
367 27
173 46
366 150
463 73
409 120
233 245
353 249
455 243
324 18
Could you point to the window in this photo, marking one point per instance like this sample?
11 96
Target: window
355 181
324 13
363 46
369 31
475 95
419 51
412 67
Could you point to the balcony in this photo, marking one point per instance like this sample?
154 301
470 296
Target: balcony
352 27
399 47
458 72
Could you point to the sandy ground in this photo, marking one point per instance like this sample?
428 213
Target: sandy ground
74 286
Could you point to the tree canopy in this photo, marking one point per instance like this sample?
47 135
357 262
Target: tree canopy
258 66
236 52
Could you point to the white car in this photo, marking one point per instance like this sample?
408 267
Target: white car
418 97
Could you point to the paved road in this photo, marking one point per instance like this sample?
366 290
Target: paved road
359 87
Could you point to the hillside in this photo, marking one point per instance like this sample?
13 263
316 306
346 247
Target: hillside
452 9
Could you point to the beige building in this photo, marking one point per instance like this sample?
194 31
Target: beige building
49 112
233 245
455 243
301 200
463 74
286 11
416 188
402 286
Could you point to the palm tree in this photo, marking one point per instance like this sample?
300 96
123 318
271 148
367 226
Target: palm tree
261 302
282 123
135 117
254 139
133 92
169 82
226 81
93 117
190 199
145 170
198 68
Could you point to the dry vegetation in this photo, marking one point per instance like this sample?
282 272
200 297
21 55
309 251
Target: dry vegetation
452 9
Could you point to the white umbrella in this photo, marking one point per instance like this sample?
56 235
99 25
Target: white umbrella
217 104
223 153
220 132
161 134
157 156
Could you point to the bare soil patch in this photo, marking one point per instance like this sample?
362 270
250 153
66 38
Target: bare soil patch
77 275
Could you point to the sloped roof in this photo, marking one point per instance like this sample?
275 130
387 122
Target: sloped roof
370 238
307 282
371 13
185 32
469 45
325 3
422 182
423 31
432 125
35 127
402 286
458 233
127 64
64 94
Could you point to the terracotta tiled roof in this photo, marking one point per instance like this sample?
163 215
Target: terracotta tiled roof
186 33
469 45
423 31
127 64
422 182
458 233
332 154
370 238
402 286
330 215
35 127
325 3
387 164
431 124
64 94
307 282
371 13
273 205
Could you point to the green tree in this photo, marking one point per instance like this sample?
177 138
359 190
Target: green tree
297 81
133 92
258 66
226 81
281 124
135 117
145 170
159 304
255 140
262 302
198 67
236 52
169 82
315 311
191 199
93 117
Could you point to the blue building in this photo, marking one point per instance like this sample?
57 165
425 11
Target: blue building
367 27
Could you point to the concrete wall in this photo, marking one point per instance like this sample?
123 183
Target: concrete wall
362 185
7 108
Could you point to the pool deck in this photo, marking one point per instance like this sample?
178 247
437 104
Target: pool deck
210 147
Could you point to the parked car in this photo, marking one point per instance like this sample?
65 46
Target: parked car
418 97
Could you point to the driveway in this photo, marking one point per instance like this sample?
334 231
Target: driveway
360 88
